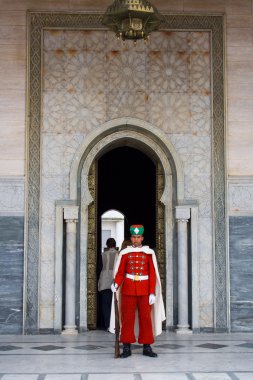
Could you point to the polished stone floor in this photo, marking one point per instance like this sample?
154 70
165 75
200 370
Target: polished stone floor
90 356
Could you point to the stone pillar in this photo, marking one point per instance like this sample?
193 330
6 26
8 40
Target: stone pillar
182 217
71 218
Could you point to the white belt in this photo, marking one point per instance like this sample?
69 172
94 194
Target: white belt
136 277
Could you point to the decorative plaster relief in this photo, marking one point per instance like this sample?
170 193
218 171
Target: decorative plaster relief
199 68
91 69
52 188
170 40
89 81
200 108
59 150
169 72
127 71
53 80
54 112
124 104
74 113
11 196
93 40
170 112
240 195
200 41
195 153
53 39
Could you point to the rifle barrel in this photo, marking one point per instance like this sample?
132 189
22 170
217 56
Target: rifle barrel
116 350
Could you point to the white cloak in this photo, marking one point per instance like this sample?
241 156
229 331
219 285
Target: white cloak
157 311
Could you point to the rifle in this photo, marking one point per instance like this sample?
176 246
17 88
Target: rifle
116 308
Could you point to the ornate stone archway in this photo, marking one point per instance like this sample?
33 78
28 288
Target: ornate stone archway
39 21
145 137
134 133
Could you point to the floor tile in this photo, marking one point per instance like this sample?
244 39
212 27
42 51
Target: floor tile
111 376
63 377
211 376
90 356
244 376
170 346
164 376
48 348
9 348
88 347
135 346
246 345
19 377
211 346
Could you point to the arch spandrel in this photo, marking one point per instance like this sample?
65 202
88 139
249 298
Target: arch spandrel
126 131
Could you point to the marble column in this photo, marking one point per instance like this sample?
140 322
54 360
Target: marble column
182 217
71 218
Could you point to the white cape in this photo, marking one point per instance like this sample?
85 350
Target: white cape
157 312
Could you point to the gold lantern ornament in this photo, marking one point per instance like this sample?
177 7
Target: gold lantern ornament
132 19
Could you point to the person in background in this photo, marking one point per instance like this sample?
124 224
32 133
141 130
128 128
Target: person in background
137 279
125 243
109 257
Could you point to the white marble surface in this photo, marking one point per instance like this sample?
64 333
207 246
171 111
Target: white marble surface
70 292
12 196
20 377
185 359
182 269
240 195
211 376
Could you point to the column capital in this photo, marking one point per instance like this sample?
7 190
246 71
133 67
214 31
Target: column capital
71 221
71 213
183 213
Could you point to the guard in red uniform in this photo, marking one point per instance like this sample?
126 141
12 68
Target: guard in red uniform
137 278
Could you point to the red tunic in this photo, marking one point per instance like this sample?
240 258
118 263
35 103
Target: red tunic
135 294
136 263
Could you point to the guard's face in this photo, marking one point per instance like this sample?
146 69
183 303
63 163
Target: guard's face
136 240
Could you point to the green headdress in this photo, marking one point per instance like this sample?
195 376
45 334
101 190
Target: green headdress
136 229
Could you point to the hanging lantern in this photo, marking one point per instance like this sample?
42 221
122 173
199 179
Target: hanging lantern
132 19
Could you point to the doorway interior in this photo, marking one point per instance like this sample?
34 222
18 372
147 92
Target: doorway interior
126 182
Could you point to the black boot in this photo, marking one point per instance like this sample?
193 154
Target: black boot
147 351
126 350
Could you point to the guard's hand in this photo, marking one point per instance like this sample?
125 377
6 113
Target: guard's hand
114 288
151 299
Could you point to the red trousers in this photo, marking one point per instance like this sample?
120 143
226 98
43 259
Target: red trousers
128 309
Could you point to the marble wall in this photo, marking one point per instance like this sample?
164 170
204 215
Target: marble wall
11 254
240 195
241 272
239 27
241 252
11 196
11 274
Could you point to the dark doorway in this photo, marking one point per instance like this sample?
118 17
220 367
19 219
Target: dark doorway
126 181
